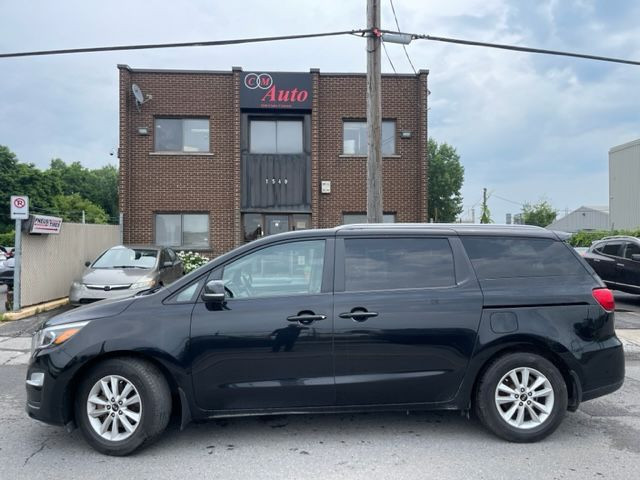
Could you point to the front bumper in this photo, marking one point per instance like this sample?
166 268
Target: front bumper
81 295
51 402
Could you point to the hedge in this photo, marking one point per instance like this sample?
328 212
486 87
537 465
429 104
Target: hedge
585 239
6 239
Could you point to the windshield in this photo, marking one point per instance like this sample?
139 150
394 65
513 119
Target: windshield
123 257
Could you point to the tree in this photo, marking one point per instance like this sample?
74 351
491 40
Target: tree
540 214
99 185
24 179
446 175
70 208
485 213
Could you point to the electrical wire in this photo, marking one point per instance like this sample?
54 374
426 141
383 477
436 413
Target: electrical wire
208 43
516 48
393 9
384 47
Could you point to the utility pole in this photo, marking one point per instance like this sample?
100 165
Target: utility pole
374 114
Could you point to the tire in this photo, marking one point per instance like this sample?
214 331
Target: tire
493 405
151 408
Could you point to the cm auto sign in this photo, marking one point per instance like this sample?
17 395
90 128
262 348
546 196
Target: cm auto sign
276 90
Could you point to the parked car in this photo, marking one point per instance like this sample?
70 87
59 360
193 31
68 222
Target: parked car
123 271
6 272
506 320
616 260
6 252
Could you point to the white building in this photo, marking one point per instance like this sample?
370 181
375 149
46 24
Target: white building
583 218
624 186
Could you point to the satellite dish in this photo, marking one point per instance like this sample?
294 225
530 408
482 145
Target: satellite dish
137 93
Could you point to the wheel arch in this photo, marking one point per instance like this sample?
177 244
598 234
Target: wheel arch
540 348
177 399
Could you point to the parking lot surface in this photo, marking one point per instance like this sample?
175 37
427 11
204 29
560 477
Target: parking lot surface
600 440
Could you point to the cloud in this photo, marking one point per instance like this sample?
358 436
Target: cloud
526 126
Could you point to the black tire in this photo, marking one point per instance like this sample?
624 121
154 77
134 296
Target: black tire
156 404
485 402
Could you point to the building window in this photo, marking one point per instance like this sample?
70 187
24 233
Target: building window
184 230
348 218
181 135
275 136
256 225
355 137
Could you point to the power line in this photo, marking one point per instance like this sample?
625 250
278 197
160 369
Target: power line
208 43
516 48
384 46
404 47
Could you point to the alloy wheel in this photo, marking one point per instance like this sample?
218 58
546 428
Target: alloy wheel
114 408
524 398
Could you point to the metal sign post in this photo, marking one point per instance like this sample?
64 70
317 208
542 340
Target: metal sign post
19 212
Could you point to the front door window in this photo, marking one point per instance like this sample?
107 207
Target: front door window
281 270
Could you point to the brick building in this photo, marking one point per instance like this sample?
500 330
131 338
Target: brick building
211 159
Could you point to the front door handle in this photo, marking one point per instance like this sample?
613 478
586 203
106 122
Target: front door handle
306 319
620 264
358 315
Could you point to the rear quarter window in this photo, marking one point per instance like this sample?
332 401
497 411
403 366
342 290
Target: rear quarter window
509 257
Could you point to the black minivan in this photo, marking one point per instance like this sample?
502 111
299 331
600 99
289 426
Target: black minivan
507 321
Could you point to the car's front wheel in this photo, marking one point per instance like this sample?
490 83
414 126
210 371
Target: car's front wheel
122 404
522 397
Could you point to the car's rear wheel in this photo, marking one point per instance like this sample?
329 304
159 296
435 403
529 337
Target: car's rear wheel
522 397
122 404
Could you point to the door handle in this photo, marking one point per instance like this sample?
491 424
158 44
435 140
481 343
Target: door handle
306 319
620 264
358 315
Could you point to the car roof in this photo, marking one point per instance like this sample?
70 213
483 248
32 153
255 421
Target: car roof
423 228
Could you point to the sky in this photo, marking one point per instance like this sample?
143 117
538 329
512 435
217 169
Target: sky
527 127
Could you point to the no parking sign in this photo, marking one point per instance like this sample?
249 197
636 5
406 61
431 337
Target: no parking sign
19 207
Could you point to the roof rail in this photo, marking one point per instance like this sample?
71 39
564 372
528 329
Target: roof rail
610 237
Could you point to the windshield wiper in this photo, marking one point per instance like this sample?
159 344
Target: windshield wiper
128 266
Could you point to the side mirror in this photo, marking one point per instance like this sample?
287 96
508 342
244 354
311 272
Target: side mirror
635 257
213 292
87 263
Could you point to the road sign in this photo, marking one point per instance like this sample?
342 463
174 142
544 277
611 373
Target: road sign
19 207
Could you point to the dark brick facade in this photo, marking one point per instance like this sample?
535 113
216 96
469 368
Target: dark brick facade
152 182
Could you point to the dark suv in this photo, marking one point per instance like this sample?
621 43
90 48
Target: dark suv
508 321
617 261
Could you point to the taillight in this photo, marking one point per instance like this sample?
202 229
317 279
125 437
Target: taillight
604 297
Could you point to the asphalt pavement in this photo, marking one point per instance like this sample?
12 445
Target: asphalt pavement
600 440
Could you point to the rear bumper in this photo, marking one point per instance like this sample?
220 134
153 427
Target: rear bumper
602 369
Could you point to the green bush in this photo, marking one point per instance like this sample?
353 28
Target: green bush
6 239
191 260
586 238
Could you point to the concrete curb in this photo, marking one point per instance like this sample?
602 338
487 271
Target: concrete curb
34 309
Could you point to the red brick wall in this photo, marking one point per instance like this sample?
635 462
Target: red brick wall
210 183
153 183
404 175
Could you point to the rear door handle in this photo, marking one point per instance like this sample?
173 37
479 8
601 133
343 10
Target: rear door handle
306 319
358 315
620 264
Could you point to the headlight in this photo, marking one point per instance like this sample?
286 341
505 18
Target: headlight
144 284
55 335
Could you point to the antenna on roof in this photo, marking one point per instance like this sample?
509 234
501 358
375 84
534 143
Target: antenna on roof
140 98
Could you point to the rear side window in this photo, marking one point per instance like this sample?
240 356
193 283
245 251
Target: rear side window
611 249
495 257
393 263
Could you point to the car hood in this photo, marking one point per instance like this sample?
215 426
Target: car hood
94 311
114 276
